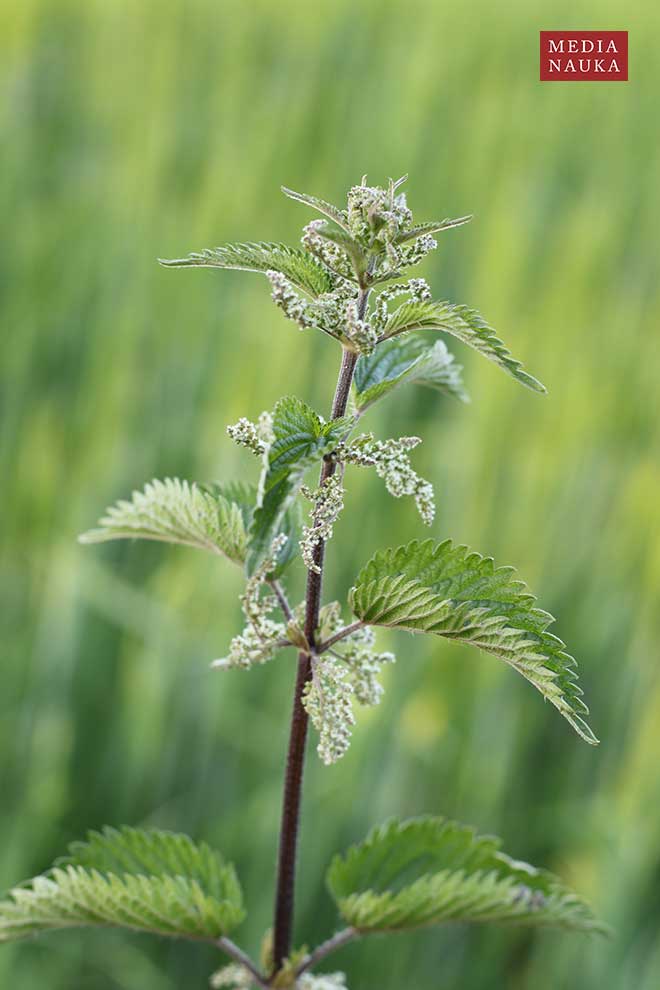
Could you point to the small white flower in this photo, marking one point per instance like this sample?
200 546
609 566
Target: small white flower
257 437
416 288
327 503
349 670
390 458
364 664
322 981
232 977
261 638
360 333
327 699
329 254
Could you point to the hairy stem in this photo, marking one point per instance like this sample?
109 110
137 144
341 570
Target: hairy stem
338 636
286 870
283 601
325 948
232 950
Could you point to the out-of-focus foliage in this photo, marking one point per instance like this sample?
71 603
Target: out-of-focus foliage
137 131
173 511
152 881
427 871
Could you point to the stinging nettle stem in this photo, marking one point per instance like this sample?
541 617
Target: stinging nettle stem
234 952
286 871
338 636
326 948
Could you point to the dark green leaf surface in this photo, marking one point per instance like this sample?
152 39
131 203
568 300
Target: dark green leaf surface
301 438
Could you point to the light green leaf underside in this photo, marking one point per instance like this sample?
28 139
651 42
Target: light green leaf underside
430 227
320 205
467 325
300 439
410 360
428 871
175 511
297 265
450 591
150 881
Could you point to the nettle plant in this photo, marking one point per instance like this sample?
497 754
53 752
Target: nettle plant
347 281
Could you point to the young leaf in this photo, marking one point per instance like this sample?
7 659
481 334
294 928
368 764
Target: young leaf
174 511
321 206
300 439
411 360
151 881
467 325
447 590
347 243
431 227
297 265
427 871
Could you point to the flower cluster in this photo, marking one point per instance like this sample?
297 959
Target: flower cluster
328 313
357 451
416 288
390 458
365 664
357 651
322 981
377 213
232 977
349 671
360 333
262 636
380 220
292 304
327 503
328 700
257 437
329 254
412 254
377 241
236 977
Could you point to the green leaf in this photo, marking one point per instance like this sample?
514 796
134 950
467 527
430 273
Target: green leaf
447 590
297 265
300 439
431 227
150 881
245 497
411 360
321 206
467 325
427 871
348 244
174 511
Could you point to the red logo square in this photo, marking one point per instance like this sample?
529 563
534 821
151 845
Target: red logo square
584 56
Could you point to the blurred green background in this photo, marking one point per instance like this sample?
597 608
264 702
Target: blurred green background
137 130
